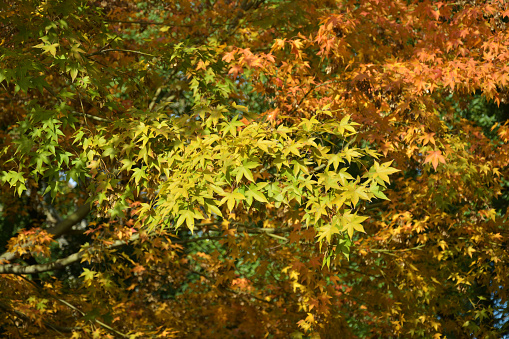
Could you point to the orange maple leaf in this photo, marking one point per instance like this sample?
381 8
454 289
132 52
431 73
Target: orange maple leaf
428 137
434 157
235 70
229 56
202 65
138 269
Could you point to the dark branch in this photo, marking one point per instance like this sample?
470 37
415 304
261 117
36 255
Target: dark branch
58 264
64 262
118 50
24 317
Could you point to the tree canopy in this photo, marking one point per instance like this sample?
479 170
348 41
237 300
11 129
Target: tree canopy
254 169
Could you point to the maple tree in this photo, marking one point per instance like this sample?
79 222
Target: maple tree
254 168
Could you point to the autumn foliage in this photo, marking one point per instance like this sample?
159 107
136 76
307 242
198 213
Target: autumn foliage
254 169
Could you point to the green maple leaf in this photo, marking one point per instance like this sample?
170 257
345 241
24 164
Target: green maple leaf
256 194
52 48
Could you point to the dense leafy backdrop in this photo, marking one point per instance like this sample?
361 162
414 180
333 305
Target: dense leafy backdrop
254 168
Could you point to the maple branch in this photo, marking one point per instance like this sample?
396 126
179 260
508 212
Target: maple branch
93 117
191 240
268 231
160 23
24 317
309 92
50 90
218 223
65 225
243 227
61 228
109 328
246 5
359 272
381 250
74 308
118 50
58 264
271 232
225 288
71 259
154 99
375 205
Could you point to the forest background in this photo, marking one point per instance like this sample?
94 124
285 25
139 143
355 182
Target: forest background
254 169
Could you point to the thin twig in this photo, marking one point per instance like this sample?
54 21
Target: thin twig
118 50
161 23
227 289
93 117
309 92
74 308
381 250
